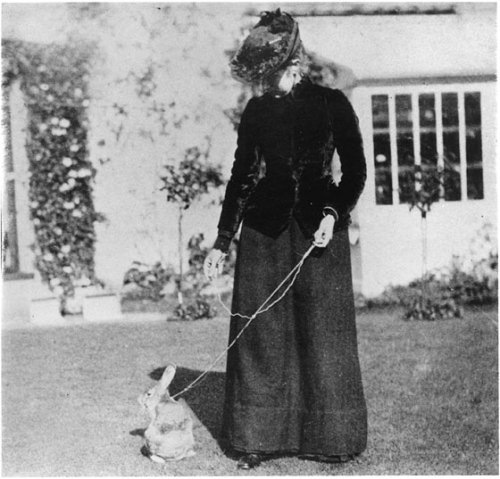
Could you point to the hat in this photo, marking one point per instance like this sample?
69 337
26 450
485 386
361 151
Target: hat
270 44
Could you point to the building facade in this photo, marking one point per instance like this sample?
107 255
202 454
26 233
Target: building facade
425 93
423 84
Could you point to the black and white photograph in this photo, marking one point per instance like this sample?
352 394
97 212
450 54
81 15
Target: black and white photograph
249 238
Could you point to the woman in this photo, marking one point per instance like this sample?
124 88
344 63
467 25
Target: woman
293 383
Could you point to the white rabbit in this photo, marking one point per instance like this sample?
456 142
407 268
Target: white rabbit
169 436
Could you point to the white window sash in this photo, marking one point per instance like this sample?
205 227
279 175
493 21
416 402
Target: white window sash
462 144
394 149
438 109
415 118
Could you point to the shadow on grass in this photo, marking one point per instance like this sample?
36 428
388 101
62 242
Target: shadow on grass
205 399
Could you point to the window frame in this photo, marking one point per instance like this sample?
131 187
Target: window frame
414 90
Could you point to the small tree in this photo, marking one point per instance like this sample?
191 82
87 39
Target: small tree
185 183
422 186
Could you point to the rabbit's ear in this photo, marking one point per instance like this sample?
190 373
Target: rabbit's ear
167 376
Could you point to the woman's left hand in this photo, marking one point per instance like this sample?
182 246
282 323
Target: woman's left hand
324 233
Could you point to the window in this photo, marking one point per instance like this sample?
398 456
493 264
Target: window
438 131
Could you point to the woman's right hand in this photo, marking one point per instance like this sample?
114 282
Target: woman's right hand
214 263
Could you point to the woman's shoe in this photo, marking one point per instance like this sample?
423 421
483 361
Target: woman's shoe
249 461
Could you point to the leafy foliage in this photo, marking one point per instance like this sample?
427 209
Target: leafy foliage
191 178
54 82
150 279
197 308
443 294
420 185
430 299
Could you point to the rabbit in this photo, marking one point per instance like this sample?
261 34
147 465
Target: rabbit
169 436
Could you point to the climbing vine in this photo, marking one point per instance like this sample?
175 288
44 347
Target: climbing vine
54 80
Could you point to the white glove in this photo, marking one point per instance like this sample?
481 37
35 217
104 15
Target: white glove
324 232
214 264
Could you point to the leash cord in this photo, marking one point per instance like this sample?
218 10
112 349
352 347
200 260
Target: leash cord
262 309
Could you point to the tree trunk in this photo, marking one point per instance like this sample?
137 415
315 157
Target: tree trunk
180 251
424 253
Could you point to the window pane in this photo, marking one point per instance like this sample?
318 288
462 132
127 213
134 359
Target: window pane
451 147
450 109
383 177
380 111
473 146
428 144
404 140
382 149
428 148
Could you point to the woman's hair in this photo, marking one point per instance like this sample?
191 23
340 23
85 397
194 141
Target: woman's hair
301 59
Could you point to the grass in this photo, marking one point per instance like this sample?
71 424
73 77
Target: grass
70 409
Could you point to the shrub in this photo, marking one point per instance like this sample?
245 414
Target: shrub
430 299
471 279
148 282
149 279
198 307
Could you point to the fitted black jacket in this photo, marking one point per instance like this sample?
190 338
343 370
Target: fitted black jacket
295 136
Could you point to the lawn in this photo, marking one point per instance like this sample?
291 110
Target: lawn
69 398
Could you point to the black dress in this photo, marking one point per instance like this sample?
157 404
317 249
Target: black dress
293 382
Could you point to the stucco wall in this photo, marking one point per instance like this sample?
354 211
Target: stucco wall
388 46
141 226
186 47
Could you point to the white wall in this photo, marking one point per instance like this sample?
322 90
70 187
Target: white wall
188 40
396 46
390 236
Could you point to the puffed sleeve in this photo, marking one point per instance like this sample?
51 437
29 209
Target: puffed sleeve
349 144
244 177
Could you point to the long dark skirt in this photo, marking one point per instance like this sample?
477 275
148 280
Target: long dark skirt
293 381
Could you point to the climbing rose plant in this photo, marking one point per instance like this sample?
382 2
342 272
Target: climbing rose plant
53 80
